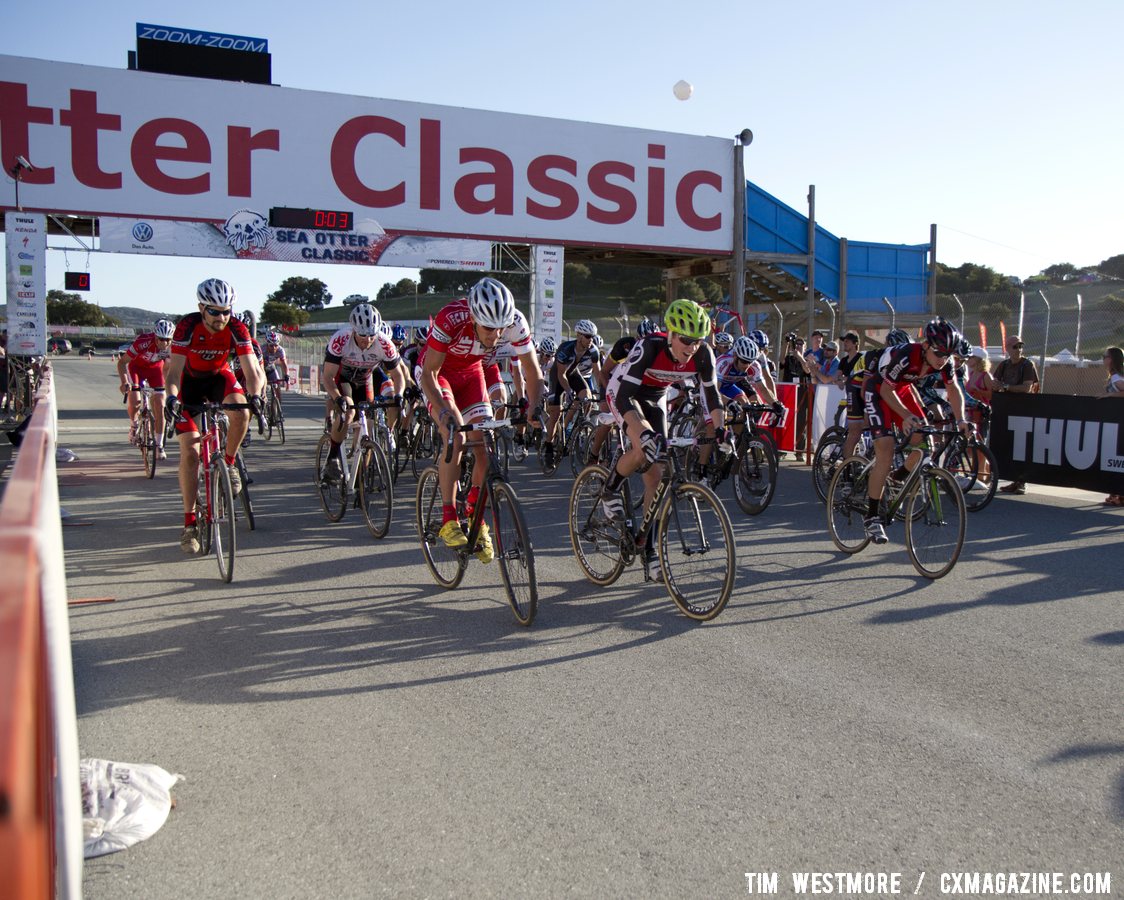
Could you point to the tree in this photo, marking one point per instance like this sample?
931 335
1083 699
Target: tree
1113 266
445 281
575 276
405 287
276 312
1060 272
70 309
970 278
306 293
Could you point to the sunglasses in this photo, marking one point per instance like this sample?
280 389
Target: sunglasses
1017 346
215 311
686 343
938 354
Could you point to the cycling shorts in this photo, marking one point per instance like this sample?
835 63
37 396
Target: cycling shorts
880 419
466 390
357 391
652 410
574 382
215 387
140 373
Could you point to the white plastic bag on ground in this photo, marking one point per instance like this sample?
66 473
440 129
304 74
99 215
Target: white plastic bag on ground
122 803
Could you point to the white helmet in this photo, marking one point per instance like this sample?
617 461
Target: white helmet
599 342
491 304
365 320
216 292
164 330
723 338
586 327
547 347
272 337
745 349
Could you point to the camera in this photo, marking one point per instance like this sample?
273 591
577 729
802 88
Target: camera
791 337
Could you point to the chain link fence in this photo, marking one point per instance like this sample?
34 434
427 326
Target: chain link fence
1066 329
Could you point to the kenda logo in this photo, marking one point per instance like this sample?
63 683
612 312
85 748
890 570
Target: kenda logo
1056 442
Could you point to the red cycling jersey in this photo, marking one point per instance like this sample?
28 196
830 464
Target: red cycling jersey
144 351
453 333
208 353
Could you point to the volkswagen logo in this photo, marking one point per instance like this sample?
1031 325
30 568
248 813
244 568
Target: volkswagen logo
142 232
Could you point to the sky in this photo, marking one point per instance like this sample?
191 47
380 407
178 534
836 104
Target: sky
995 120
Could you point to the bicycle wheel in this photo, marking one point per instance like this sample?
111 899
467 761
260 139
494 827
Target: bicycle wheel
755 480
503 445
934 524
847 505
244 494
514 551
447 566
549 465
596 542
376 491
577 444
222 519
976 471
276 415
828 455
202 512
147 438
696 547
332 490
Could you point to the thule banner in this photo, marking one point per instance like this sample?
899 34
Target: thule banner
1054 439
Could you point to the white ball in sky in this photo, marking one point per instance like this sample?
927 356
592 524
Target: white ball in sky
683 89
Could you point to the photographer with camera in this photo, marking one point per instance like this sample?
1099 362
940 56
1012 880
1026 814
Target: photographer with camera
797 368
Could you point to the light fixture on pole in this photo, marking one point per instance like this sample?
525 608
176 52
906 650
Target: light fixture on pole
17 173
737 273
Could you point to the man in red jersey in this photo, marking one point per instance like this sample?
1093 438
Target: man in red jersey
452 379
144 361
199 370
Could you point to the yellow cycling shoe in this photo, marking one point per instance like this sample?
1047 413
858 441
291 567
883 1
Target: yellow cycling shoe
452 534
486 553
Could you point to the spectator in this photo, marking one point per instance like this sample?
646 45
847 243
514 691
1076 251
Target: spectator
979 384
797 368
817 351
6 400
828 369
1114 387
1017 375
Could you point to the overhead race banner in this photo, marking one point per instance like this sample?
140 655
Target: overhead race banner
27 283
246 234
124 143
546 292
1060 440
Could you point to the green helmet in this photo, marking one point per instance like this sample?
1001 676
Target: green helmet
687 318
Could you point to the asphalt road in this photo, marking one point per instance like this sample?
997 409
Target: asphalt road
347 729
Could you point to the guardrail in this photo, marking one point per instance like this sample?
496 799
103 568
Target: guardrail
40 802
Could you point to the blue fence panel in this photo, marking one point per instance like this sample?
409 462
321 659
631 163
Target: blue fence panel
899 272
896 271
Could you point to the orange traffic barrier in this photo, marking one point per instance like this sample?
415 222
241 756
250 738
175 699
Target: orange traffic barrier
27 755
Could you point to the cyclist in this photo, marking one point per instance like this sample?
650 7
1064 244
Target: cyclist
398 336
350 359
144 361
617 354
575 364
890 398
273 359
546 350
723 341
199 370
452 380
768 369
636 395
862 367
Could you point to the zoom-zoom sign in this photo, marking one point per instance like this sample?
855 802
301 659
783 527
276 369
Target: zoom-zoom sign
1065 441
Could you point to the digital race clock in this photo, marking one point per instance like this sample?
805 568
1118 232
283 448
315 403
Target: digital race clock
313 219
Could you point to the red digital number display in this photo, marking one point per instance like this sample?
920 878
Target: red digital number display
77 281
312 219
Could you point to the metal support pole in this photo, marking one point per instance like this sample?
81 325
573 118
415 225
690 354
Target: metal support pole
893 312
843 284
780 335
961 305
811 280
737 272
933 269
1077 348
1045 345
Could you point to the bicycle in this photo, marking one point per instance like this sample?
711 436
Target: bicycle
929 500
971 463
689 519
215 496
144 429
369 481
753 462
513 546
274 413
